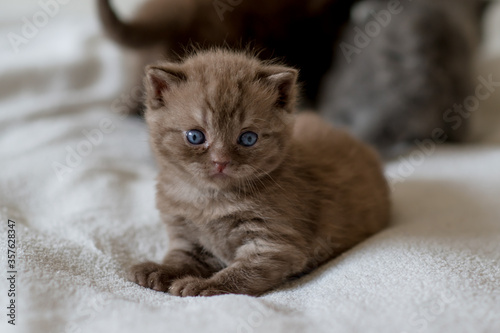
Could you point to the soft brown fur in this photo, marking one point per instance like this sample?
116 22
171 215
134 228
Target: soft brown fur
302 195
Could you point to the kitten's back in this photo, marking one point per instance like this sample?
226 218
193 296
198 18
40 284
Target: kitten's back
349 173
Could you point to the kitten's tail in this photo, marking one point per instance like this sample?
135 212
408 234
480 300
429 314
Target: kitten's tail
131 35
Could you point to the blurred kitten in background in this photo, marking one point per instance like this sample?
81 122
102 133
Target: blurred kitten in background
300 33
402 69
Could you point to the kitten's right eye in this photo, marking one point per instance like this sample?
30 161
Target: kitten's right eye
195 137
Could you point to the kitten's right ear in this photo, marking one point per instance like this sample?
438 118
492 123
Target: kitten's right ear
161 79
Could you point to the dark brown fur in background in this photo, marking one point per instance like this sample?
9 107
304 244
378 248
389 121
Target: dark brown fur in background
244 219
302 33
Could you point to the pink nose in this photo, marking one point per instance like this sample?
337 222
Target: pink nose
220 166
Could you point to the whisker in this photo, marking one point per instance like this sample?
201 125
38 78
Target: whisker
268 175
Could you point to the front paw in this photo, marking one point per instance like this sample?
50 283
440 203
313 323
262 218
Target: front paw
192 286
151 275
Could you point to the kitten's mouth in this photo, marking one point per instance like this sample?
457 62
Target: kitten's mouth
220 175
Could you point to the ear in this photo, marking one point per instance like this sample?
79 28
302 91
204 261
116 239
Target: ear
284 81
160 79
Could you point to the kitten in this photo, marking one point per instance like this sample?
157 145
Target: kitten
399 85
251 193
300 32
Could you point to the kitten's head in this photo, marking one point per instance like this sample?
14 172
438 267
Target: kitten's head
219 117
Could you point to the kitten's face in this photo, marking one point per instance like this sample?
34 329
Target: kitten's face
221 126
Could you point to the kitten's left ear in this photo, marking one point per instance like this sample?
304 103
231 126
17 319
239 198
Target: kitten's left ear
160 79
284 80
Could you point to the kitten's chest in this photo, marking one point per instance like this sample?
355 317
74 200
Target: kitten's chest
198 206
217 229
213 221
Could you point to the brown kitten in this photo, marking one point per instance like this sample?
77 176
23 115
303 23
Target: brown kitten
251 193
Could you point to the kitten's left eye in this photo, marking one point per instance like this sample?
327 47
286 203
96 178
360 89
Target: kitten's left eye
195 137
248 139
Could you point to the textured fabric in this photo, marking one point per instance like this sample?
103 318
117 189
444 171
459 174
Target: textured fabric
78 180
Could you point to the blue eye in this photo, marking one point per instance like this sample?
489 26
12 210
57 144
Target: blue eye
248 139
195 137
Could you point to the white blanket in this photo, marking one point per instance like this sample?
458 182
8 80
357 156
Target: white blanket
78 180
